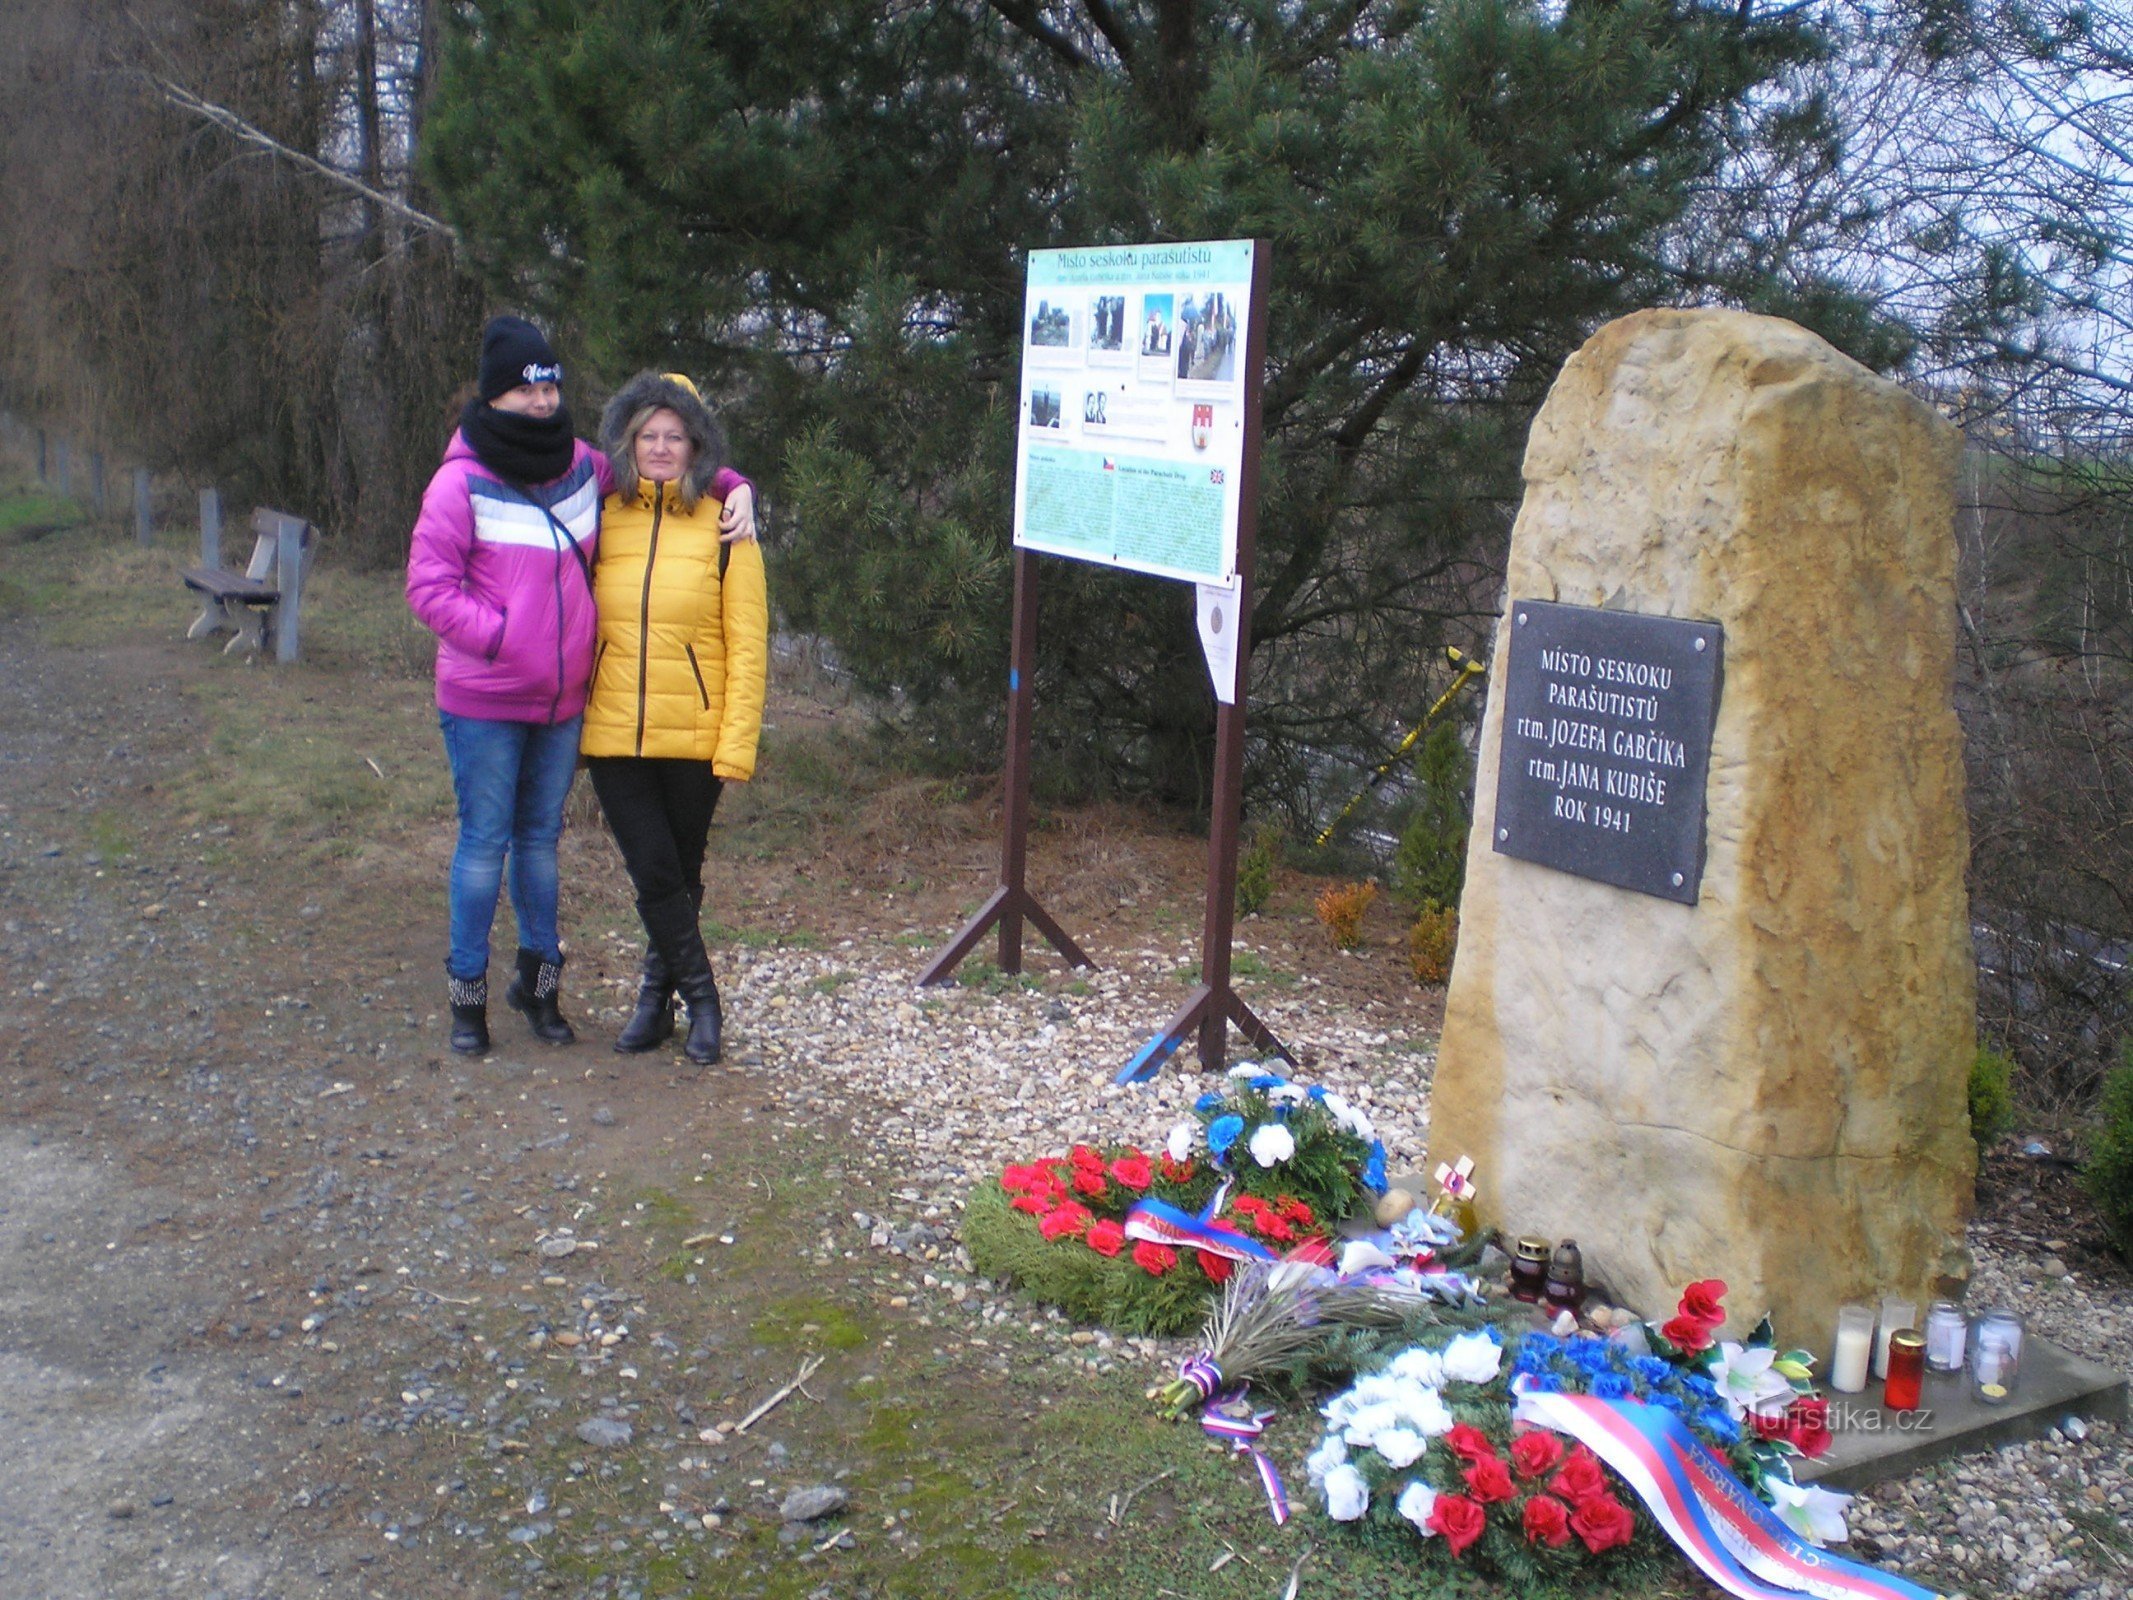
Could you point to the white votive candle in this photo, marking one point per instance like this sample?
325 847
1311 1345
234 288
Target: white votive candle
1855 1347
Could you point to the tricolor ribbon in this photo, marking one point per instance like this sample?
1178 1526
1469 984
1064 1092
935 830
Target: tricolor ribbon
1717 1521
1230 1418
1160 1222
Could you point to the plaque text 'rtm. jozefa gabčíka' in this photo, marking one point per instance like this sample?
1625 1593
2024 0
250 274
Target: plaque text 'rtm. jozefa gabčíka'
1607 719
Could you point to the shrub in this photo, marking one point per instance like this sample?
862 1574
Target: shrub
1255 869
2108 1175
1431 942
1430 865
1991 1095
1341 907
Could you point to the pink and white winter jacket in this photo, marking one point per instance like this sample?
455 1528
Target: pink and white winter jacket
497 581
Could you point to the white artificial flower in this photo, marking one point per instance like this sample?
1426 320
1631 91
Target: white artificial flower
1347 1495
1272 1143
1330 1453
1360 1255
1744 1378
1401 1447
1416 1502
1244 1069
1369 1421
1180 1145
1815 1514
1286 1094
1421 1366
1473 1358
1429 1415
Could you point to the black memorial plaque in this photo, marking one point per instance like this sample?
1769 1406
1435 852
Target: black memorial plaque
1607 719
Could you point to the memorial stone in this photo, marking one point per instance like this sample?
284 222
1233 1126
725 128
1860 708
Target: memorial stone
1757 1072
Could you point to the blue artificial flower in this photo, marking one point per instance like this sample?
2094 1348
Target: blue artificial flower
1714 1423
1590 1355
1650 1368
1671 1402
1531 1362
1268 1080
1701 1387
1612 1386
1544 1346
1317 1091
1224 1132
1374 1171
1207 1102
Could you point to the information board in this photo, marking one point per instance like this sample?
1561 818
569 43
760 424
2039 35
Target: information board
1130 438
1607 719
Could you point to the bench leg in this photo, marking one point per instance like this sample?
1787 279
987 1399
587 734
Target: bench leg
210 621
250 633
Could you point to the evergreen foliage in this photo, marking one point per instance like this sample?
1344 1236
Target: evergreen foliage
1991 1095
1430 865
1255 869
2108 1173
822 208
1108 1290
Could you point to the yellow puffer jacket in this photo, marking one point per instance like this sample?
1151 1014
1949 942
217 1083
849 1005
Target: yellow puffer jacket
683 654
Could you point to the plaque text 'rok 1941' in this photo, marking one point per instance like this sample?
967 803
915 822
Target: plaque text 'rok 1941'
1607 719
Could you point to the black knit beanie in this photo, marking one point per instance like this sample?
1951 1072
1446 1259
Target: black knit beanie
514 352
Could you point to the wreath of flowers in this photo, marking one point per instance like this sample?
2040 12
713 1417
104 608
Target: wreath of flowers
1427 1441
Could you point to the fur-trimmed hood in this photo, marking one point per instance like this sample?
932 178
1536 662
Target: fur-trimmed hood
677 394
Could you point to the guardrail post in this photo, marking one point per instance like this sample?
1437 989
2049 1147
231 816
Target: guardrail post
211 527
66 470
144 531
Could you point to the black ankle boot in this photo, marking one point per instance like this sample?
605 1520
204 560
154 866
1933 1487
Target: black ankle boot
671 922
470 1014
652 1023
707 1022
536 991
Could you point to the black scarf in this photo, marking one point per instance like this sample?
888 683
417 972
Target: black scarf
519 448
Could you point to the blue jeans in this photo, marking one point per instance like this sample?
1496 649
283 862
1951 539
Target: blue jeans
512 779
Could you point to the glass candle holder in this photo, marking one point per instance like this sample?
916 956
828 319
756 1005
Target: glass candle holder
1896 1314
1854 1348
1947 1335
1996 1355
1529 1269
1907 1370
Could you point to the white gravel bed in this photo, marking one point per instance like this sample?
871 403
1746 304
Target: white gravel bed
946 1085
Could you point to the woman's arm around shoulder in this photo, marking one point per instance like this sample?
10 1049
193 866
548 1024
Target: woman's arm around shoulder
744 599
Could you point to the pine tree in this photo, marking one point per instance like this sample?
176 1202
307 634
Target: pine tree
821 208
1430 865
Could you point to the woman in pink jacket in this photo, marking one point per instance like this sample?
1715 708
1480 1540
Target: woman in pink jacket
501 572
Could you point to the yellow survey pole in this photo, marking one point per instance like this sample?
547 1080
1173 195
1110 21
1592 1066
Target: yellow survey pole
1468 668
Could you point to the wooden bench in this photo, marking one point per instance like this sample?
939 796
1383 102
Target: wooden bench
258 606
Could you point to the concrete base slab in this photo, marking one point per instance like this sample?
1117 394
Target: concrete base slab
1872 1443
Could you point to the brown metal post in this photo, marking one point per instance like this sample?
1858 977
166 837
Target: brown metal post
1009 904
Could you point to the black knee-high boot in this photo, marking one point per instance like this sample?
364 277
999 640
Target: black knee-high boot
671 921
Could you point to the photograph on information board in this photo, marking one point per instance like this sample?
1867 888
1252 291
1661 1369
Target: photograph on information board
1137 464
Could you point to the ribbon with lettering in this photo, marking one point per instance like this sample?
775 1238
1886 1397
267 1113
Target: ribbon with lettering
1715 1519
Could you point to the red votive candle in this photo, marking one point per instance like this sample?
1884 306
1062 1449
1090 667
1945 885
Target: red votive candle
1907 1370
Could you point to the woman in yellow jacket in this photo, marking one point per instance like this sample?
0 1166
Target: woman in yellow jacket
678 677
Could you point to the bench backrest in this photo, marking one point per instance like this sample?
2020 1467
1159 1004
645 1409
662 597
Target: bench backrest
268 528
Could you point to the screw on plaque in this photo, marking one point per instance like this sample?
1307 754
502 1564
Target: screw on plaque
1677 880
1701 643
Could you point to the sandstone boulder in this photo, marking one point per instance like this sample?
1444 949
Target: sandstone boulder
1768 1086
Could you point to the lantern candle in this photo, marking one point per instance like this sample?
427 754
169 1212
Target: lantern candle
1895 1315
1996 1355
1855 1344
1945 1335
1529 1270
1907 1370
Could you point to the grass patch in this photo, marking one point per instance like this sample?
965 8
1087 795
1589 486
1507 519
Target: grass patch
810 1322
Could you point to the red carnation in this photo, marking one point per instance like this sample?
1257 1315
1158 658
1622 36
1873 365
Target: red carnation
1035 1204
1174 1171
1216 1267
1768 1424
1248 1205
1016 1177
1277 1230
1469 1443
1106 1238
1459 1519
1489 1480
1546 1519
1535 1453
1154 1259
1807 1425
1580 1478
1133 1170
1688 1334
1701 1301
1067 1222
1089 1182
1085 1159
1603 1522
1294 1210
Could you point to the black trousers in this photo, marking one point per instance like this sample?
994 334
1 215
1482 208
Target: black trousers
660 814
